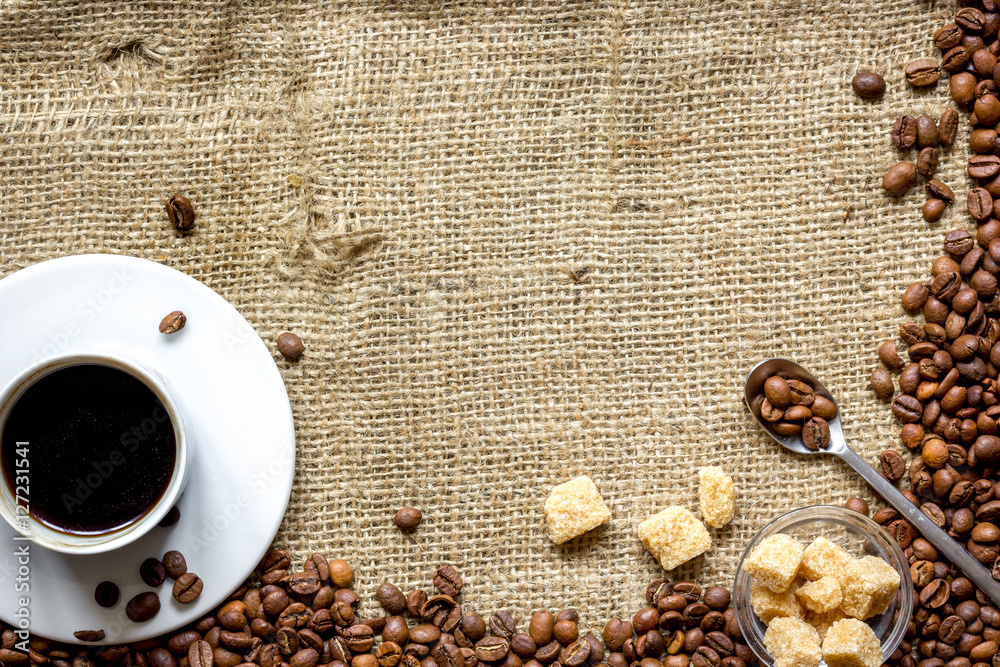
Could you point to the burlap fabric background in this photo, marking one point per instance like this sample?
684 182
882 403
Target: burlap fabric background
522 241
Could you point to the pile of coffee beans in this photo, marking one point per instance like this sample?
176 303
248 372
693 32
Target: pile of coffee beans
308 618
792 408
948 399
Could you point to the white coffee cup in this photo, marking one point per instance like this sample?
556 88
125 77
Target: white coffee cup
72 543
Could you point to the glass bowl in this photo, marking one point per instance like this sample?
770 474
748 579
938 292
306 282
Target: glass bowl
856 533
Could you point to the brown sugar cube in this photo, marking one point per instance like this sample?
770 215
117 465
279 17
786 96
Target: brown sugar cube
774 562
851 643
823 622
869 586
769 605
823 558
793 643
717 495
821 595
674 536
573 508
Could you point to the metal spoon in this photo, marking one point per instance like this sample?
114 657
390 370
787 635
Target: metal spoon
948 547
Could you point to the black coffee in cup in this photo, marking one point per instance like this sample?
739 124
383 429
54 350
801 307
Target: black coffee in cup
100 449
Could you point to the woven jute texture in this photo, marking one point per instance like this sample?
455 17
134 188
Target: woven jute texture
522 241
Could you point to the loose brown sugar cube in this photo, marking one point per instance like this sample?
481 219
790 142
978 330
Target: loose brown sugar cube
717 495
823 622
821 595
674 536
823 558
573 508
774 562
769 605
869 586
851 643
793 643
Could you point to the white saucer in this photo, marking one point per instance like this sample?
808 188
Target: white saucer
235 408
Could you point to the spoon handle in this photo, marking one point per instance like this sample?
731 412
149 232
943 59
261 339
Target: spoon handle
944 543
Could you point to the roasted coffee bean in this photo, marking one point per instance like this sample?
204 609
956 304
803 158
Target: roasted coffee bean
390 598
869 85
816 434
935 594
859 505
407 519
927 162
388 654
502 624
881 383
542 624
956 59
566 632
948 36
970 20
549 652
717 598
922 72
448 580
106 594
982 167
494 649
939 190
173 322
360 638
980 203
290 346
824 408
800 394
180 212
892 465
904 132
616 632
524 646
89 635
143 607
341 573
889 357
777 391
962 88
425 633
200 654
948 127
304 583
927 132
415 602
187 587
907 409
915 297
902 175
645 620
174 564
287 641
473 626
577 653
